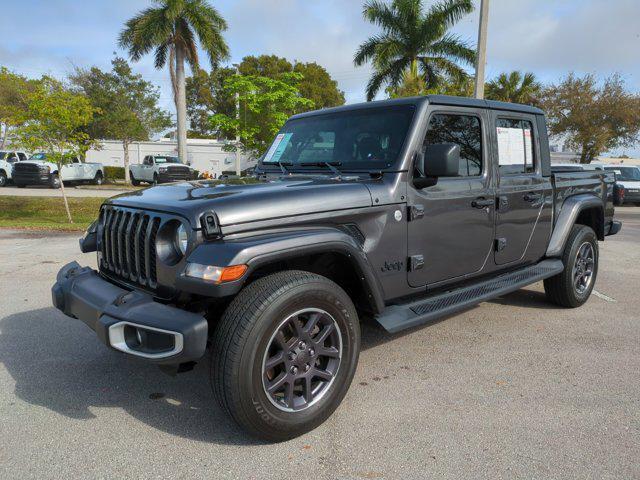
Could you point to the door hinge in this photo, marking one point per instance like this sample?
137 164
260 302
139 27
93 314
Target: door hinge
416 212
416 262
501 244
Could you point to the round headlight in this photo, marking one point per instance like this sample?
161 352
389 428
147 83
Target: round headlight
182 239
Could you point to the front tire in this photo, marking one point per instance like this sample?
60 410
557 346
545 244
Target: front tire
54 182
3 179
285 353
574 285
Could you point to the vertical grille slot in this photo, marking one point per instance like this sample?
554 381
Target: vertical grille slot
128 245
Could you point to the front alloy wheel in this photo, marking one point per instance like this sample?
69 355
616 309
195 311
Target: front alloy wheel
284 353
302 360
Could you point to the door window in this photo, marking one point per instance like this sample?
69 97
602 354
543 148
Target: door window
462 130
515 146
22 156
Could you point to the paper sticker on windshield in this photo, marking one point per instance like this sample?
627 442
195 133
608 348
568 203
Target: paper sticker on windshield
278 147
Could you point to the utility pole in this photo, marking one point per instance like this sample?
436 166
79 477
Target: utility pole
238 166
481 59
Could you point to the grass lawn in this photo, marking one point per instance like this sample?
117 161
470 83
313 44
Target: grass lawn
47 213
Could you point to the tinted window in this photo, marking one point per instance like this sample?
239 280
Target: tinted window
22 156
625 173
463 130
167 160
365 138
515 146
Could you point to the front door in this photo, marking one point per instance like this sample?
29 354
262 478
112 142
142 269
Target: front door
522 191
454 234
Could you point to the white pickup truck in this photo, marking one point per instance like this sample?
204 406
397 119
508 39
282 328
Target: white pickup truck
160 169
7 159
39 171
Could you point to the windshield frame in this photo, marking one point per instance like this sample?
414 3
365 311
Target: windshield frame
311 165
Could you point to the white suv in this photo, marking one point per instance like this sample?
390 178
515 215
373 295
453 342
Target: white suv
7 159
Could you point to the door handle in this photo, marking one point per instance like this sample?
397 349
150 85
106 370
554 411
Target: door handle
482 202
532 197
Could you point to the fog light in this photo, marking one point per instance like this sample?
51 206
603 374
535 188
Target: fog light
215 274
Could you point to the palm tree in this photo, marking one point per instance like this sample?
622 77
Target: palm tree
414 43
515 87
170 29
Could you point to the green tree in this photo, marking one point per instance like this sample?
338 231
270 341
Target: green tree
170 30
57 117
515 87
316 83
14 92
265 105
592 117
205 97
126 104
414 43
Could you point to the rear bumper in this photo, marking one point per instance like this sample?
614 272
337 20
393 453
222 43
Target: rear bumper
130 321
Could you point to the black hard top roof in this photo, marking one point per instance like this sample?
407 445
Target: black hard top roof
433 100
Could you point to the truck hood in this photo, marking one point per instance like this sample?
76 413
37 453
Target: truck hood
234 204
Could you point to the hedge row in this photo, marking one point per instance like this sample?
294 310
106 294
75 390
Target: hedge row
114 173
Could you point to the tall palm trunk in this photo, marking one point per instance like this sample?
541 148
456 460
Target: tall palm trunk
181 105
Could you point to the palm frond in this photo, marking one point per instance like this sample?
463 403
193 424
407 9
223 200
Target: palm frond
453 48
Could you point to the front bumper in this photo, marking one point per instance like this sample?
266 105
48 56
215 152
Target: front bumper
31 178
130 321
174 177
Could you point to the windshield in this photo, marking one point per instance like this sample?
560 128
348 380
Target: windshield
361 139
167 160
626 173
38 156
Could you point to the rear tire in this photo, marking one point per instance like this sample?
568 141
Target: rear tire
134 182
155 179
259 327
98 179
572 287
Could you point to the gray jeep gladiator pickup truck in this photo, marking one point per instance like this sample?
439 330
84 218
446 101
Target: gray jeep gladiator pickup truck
401 211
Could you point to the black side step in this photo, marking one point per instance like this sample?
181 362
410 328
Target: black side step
398 317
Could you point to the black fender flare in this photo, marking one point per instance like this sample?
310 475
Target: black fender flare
567 217
261 249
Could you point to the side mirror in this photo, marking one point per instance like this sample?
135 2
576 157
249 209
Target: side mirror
439 160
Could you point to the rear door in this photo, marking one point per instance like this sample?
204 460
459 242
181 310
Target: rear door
454 233
523 193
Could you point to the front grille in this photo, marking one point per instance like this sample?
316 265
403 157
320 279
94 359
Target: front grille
177 171
128 245
26 167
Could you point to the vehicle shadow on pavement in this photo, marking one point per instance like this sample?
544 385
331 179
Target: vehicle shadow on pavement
526 298
58 363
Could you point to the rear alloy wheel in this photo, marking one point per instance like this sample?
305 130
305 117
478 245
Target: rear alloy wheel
3 179
284 354
573 286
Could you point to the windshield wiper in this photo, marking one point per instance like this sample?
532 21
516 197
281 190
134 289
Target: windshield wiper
283 168
329 165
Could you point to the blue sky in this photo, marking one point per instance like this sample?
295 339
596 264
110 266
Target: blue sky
547 37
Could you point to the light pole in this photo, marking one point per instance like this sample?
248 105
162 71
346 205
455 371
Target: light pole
238 166
481 59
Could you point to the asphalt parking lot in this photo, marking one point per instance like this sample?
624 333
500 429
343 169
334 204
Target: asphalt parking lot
514 388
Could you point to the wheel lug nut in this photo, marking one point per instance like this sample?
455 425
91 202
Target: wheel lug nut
302 345
307 367
312 352
294 370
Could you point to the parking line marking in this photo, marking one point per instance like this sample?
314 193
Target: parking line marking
604 297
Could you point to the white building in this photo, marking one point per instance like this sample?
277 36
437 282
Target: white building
203 154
